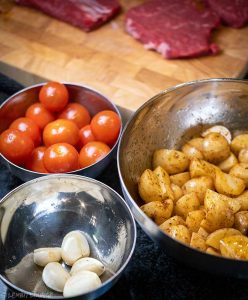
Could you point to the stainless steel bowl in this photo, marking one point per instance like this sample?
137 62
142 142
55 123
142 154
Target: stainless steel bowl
15 107
41 212
168 120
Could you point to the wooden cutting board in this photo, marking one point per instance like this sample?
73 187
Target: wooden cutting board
108 59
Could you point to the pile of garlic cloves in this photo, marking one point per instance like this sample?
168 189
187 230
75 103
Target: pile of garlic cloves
75 251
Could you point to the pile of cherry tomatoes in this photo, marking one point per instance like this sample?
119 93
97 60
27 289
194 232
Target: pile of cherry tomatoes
57 136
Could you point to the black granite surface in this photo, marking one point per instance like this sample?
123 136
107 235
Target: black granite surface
151 274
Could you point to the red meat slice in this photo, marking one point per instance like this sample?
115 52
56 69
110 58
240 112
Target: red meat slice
232 12
86 14
175 28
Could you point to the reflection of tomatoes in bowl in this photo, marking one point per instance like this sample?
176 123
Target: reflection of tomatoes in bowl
70 128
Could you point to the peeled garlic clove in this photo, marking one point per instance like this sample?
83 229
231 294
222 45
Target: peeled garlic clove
43 256
88 264
55 276
74 246
221 130
81 283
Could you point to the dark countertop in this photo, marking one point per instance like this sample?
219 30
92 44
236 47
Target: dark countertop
151 274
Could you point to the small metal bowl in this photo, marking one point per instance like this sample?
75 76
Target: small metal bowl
39 213
168 120
15 107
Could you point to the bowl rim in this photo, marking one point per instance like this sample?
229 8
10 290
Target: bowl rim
124 188
87 179
116 110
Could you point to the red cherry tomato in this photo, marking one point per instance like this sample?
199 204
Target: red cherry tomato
61 131
35 162
54 96
16 146
61 158
76 113
29 127
85 136
39 114
92 152
106 126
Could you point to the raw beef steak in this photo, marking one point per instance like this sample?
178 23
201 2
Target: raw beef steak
175 28
232 12
86 14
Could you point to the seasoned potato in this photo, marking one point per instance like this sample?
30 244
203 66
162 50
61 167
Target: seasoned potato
243 155
180 178
219 129
203 233
164 182
177 191
227 184
218 213
214 238
228 163
196 143
235 246
181 233
172 161
199 167
199 186
240 171
194 219
149 188
176 220
239 142
158 211
243 200
241 221
198 242
215 148
185 204
191 152
211 250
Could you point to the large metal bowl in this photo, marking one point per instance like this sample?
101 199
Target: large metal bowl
167 121
41 212
16 105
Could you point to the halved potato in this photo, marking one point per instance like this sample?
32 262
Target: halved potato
164 182
199 167
228 163
203 233
176 220
158 211
191 152
239 142
186 204
215 148
194 219
241 221
235 246
218 213
149 188
214 238
172 161
180 178
196 143
227 184
198 242
177 191
243 155
198 185
241 171
243 200
181 233
219 129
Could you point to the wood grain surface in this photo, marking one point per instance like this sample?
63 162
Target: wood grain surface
108 59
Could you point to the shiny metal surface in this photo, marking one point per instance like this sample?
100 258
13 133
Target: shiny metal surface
168 120
41 212
16 105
